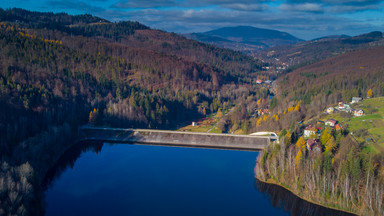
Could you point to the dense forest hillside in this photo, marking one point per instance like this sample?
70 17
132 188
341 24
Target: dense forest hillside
314 50
52 60
247 39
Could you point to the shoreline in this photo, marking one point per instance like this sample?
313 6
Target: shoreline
272 182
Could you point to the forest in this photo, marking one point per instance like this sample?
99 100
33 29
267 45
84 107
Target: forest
59 72
339 175
345 170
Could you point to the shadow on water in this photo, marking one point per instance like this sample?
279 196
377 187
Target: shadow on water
68 159
284 199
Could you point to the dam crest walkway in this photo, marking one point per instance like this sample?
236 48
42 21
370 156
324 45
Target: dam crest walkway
175 138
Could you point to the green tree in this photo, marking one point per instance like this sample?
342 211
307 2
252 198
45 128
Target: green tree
273 103
245 126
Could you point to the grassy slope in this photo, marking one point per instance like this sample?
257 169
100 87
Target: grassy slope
373 122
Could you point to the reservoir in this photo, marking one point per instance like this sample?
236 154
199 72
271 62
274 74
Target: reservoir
126 179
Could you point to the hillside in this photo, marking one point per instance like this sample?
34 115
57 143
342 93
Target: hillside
59 71
57 67
335 79
312 88
245 38
308 52
335 160
368 130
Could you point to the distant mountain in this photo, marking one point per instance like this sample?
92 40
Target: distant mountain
321 48
331 37
245 38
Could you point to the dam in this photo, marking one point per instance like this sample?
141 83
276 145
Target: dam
174 138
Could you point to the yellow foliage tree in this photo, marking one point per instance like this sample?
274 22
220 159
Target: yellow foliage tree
301 144
258 122
265 117
204 111
369 93
297 107
93 115
298 157
288 138
330 145
277 118
219 114
325 136
258 102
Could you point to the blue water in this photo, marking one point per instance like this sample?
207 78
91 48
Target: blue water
126 179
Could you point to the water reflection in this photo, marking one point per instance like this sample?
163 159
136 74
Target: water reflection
68 159
282 198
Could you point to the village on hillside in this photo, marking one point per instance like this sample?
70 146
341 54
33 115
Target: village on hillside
341 119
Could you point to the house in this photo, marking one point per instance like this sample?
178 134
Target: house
259 81
348 109
330 110
331 122
310 131
265 111
313 145
356 100
341 105
338 127
358 112
268 82
194 124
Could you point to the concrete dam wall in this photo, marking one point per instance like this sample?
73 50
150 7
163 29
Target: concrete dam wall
174 138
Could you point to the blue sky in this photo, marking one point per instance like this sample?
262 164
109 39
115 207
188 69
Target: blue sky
306 19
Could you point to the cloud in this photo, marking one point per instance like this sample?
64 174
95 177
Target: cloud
231 4
69 4
338 2
352 2
307 7
246 7
351 8
145 3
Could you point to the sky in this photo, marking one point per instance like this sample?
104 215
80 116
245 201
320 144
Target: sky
306 19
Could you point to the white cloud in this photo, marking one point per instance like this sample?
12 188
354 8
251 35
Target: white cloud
246 7
307 7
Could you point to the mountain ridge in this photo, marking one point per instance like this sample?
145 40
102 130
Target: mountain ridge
245 38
